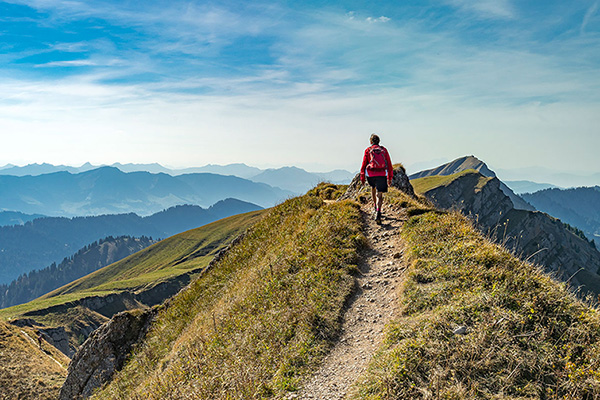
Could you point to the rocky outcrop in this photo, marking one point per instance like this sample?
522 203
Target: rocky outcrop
400 181
533 235
104 353
471 162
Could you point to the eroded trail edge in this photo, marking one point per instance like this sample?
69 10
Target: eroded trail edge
371 308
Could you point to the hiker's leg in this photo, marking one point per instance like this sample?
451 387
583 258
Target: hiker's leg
379 200
374 195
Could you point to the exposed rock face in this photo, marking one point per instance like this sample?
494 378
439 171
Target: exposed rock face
104 353
533 235
400 181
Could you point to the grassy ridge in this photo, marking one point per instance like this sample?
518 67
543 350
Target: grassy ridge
527 336
171 257
423 185
262 318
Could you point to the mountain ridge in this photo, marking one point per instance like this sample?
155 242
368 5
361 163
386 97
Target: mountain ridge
471 162
38 243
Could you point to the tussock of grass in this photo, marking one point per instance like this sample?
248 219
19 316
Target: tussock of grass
328 191
527 336
262 318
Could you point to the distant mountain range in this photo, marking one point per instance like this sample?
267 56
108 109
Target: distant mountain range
293 179
108 190
579 207
16 218
472 162
520 187
40 242
556 177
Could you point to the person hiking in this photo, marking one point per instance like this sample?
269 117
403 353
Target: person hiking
379 172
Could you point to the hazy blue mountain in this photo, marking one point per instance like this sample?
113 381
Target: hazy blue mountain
16 218
238 169
293 179
41 169
153 168
43 241
87 260
579 207
299 180
553 176
339 176
472 162
108 190
520 187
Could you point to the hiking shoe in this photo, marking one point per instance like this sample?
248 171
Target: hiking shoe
378 217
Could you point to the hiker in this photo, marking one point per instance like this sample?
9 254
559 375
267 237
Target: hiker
40 337
379 172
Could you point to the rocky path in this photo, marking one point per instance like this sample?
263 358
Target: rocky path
371 308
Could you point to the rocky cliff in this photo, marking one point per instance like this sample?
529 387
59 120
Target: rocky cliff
533 235
104 353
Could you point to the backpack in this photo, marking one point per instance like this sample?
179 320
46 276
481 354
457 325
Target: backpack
378 161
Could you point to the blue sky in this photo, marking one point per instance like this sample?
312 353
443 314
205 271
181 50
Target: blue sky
186 83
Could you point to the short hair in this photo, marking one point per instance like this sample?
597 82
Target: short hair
374 139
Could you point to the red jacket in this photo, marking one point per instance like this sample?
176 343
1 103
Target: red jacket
376 172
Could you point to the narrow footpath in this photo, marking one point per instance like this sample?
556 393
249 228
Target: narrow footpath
371 308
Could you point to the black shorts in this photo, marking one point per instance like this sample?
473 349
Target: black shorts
378 182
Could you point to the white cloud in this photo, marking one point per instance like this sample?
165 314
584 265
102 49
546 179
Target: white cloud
499 9
375 20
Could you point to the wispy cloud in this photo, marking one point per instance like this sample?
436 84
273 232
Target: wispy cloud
590 13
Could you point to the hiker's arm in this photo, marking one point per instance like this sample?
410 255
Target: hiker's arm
364 166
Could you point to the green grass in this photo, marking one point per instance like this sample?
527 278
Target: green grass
528 337
169 258
423 185
262 318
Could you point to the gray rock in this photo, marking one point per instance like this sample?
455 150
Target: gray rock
104 353
461 330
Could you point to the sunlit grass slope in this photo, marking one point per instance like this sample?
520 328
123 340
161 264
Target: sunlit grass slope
169 258
527 336
423 185
26 371
262 318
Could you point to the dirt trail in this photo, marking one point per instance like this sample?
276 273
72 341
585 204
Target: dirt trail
371 308
36 346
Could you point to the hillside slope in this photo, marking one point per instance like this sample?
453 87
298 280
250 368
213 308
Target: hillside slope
26 370
142 279
477 323
261 318
473 321
533 235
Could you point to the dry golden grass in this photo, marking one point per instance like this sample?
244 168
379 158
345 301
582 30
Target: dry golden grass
26 371
262 318
527 336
